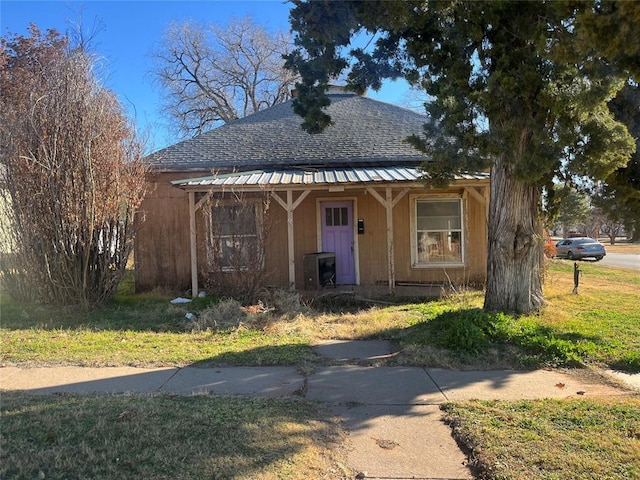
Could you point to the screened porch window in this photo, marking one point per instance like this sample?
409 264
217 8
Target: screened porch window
437 232
235 235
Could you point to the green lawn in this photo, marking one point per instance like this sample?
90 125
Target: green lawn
599 326
166 437
550 439
150 436
97 347
142 330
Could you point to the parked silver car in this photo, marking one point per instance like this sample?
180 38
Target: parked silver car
580 247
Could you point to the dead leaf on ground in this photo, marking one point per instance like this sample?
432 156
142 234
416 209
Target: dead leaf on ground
124 415
386 444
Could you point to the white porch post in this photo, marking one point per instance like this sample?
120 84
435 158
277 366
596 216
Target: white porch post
194 244
390 249
388 203
290 245
289 207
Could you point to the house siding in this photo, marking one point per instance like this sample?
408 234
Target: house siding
162 257
161 251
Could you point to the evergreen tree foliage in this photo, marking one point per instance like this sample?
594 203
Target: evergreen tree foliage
574 209
520 88
619 194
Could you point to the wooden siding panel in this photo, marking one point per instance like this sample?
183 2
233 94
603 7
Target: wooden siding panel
372 246
276 261
162 256
477 240
162 246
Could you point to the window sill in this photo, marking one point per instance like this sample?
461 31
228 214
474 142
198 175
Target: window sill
234 270
437 265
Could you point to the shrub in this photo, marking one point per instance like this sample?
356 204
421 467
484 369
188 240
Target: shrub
224 315
472 331
286 302
549 247
72 176
464 335
460 330
238 229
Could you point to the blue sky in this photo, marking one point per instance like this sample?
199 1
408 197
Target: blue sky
130 31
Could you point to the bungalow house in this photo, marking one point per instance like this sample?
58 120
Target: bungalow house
344 207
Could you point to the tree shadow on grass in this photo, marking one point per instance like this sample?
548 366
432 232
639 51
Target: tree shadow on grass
226 430
297 355
160 436
629 363
473 335
254 434
141 313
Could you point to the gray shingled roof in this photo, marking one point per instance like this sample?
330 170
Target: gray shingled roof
365 132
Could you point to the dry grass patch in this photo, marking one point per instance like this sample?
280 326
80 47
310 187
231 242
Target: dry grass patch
374 322
604 313
621 247
550 439
166 437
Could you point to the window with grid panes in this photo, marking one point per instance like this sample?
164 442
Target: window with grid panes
236 231
437 232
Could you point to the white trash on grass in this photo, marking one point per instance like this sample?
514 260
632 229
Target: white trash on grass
180 300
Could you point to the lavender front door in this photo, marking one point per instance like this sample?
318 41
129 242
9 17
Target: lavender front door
337 237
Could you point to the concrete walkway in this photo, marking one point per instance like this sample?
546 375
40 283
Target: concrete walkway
391 413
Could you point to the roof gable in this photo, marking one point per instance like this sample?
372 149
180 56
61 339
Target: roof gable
364 132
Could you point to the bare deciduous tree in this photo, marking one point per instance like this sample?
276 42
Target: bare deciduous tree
613 228
72 174
606 220
212 74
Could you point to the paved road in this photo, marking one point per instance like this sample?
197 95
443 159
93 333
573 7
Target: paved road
625 260
622 260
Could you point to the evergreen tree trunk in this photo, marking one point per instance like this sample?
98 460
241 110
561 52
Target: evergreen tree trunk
514 276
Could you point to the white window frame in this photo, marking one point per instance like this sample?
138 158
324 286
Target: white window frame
257 204
413 205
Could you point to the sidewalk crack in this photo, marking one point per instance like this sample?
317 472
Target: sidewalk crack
435 383
169 379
